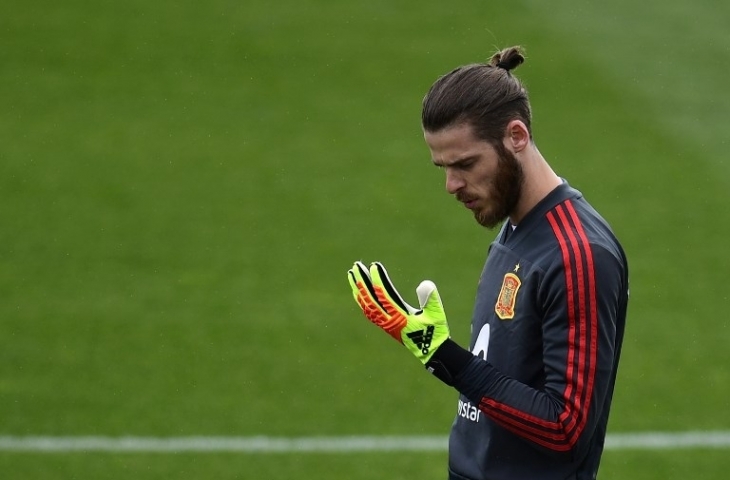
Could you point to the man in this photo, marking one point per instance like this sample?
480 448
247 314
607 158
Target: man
537 382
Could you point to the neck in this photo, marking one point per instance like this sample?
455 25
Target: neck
539 181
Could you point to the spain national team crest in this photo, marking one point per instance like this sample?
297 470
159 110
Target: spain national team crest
505 306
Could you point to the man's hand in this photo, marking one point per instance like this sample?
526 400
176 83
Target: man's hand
422 330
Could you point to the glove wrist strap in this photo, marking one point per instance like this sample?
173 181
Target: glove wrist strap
448 361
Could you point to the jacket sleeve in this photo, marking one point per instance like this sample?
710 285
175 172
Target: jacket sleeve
580 297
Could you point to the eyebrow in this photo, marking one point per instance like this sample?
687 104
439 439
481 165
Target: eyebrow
456 163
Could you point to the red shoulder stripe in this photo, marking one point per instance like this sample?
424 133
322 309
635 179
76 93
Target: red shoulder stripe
592 317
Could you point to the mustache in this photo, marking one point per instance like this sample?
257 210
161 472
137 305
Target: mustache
463 198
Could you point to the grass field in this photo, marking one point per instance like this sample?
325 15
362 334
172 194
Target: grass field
183 186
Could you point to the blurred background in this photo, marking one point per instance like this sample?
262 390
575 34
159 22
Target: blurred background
183 186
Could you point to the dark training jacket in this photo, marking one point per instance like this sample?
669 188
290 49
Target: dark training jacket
537 383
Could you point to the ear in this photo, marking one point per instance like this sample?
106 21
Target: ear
516 136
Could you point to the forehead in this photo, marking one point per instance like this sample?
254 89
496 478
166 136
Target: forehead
455 143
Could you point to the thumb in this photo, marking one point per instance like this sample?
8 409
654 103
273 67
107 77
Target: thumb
428 296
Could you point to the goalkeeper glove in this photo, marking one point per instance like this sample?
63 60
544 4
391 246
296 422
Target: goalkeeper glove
421 330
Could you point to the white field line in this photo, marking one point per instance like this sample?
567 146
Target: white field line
347 444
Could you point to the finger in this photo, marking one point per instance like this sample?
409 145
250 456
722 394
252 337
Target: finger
353 285
429 298
424 291
386 292
363 277
362 288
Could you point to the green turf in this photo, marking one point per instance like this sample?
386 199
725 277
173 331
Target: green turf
183 186
704 464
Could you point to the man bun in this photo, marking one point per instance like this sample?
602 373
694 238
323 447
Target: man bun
508 59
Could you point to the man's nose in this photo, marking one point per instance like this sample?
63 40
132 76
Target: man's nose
454 181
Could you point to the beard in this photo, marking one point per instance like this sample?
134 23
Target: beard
507 190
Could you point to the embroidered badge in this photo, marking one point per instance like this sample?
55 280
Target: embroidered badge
505 306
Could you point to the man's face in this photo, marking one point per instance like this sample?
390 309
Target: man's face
487 180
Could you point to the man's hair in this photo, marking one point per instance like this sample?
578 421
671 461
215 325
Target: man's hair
485 95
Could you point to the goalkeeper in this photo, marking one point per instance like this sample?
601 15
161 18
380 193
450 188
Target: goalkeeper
537 380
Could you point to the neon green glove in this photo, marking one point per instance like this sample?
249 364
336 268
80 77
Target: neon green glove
422 330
